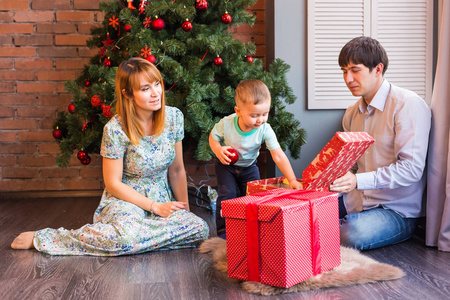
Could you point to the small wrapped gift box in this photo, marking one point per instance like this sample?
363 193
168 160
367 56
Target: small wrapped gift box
263 185
336 158
282 237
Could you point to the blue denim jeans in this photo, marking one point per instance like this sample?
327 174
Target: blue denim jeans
374 228
231 183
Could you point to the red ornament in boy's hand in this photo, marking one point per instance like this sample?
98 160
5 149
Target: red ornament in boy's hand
234 156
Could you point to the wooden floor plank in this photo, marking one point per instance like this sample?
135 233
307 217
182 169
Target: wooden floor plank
177 274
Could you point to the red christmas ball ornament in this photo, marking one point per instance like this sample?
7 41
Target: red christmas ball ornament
234 156
127 28
96 100
82 155
157 24
186 26
107 111
57 133
201 5
226 18
249 59
218 61
87 83
86 161
107 62
151 58
71 108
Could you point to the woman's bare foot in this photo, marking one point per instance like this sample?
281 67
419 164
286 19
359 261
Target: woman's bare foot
23 241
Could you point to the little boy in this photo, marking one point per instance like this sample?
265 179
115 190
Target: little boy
245 131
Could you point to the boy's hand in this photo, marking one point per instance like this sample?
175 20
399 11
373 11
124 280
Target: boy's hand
295 185
223 154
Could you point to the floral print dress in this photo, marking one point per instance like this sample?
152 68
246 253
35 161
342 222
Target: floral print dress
121 227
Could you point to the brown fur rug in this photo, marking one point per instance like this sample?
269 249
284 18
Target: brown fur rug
355 268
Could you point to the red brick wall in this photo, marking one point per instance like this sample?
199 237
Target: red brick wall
42 46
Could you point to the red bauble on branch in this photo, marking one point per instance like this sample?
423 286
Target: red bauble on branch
107 62
226 18
82 155
157 24
201 5
96 100
249 59
151 58
86 161
218 61
107 111
87 83
84 158
127 28
187 25
71 108
57 133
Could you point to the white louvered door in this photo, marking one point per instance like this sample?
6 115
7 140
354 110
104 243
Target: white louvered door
403 27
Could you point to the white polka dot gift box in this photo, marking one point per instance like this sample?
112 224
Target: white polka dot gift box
282 237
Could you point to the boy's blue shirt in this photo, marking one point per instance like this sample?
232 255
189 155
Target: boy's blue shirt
228 133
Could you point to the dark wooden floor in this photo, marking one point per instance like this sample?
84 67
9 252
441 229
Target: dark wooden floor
179 274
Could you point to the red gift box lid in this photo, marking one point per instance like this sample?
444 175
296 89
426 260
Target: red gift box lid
335 159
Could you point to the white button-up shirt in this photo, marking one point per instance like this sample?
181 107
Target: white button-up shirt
391 172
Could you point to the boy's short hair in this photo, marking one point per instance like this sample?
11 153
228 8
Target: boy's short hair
252 91
364 50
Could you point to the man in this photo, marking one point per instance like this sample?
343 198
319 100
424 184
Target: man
382 195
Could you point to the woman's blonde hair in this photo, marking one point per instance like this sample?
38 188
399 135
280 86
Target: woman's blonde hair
128 80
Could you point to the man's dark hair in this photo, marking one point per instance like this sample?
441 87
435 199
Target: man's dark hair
364 50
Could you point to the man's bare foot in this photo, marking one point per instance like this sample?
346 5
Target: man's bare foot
23 241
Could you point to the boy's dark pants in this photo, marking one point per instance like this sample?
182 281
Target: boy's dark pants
232 183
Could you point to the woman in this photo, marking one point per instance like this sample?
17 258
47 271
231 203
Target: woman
141 146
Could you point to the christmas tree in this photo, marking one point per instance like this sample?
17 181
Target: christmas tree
200 61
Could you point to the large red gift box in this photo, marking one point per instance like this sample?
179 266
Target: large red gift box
336 158
282 237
